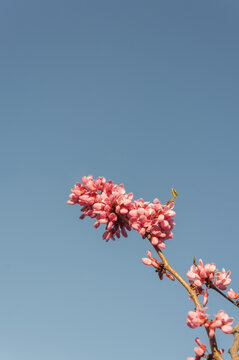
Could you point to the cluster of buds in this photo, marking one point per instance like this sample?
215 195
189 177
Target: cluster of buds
203 277
222 321
109 204
201 351
159 266
198 318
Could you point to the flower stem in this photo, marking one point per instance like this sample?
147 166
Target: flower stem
213 344
212 286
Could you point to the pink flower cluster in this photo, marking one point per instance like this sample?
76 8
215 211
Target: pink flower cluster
222 321
109 204
159 268
199 350
155 219
198 318
206 275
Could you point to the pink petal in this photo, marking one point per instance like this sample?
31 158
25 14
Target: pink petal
133 213
147 261
211 333
154 241
198 351
198 341
227 329
156 265
161 245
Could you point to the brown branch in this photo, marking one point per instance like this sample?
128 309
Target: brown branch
212 286
213 344
234 349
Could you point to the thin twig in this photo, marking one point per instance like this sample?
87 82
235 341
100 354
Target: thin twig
213 344
212 286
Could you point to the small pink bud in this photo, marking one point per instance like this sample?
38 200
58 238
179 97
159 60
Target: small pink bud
96 224
160 217
154 241
205 298
147 261
170 276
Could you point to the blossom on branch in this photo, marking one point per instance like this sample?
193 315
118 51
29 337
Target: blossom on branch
109 204
207 275
150 260
200 273
232 294
158 266
196 318
222 321
222 279
199 350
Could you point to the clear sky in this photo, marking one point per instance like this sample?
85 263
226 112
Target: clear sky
144 93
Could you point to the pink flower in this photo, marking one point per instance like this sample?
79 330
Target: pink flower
200 273
222 321
196 318
109 204
222 279
205 276
232 294
199 350
160 270
154 219
150 260
106 202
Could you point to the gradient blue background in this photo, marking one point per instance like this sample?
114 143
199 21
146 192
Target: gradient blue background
144 93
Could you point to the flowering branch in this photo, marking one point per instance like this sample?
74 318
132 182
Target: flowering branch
109 204
212 286
213 344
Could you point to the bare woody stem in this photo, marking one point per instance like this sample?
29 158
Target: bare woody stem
233 351
220 292
213 344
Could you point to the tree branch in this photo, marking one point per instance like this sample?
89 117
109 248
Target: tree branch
212 286
213 344
234 349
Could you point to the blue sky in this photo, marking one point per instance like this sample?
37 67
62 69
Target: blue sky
144 93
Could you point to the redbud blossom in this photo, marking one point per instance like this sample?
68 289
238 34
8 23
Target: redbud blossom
196 318
232 294
222 279
160 270
200 273
150 260
199 350
111 205
222 321
205 276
